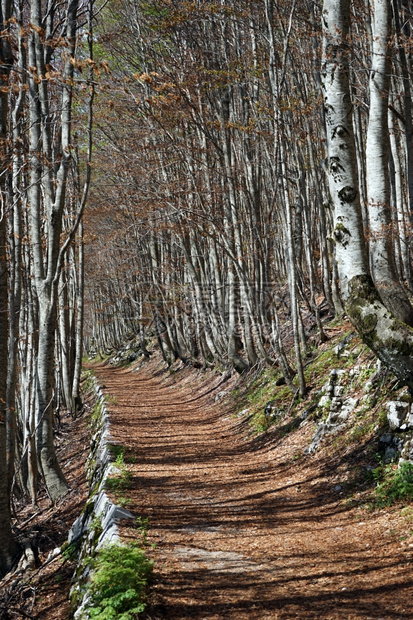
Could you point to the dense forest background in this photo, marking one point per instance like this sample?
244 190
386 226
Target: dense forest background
217 176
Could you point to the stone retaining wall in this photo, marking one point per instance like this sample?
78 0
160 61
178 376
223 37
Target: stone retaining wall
98 524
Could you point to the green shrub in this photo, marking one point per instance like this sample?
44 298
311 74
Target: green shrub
118 584
394 484
116 450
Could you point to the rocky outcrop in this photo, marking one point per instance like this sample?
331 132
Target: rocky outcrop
334 406
129 352
399 415
336 403
399 441
98 523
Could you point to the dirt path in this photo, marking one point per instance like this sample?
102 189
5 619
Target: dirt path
245 529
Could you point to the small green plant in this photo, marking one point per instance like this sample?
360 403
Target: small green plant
111 399
325 409
118 584
366 372
115 449
123 479
382 418
142 526
394 484
407 513
96 526
361 430
123 502
119 461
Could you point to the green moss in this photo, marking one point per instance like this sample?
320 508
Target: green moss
89 507
96 415
262 390
96 529
405 397
382 418
369 323
88 381
71 551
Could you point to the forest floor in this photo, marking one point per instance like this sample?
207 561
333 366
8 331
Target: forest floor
240 525
245 526
41 592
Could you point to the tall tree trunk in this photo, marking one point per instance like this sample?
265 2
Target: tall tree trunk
48 179
8 547
377 167
388 337
407 99
76 398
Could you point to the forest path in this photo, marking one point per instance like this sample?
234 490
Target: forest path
245 530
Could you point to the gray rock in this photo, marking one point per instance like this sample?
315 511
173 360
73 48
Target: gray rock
338 390
220 395
406 448
336 374
323 429
349 404
368 386
396 413
340 410
272 412
390 454
341 349
386 439
335 406
324 401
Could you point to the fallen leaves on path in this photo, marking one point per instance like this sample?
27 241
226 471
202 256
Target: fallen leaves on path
243 530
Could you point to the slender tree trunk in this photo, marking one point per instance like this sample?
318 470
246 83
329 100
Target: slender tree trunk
8 547
292 275
76 398
399 203
64 344
377 166
407 99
